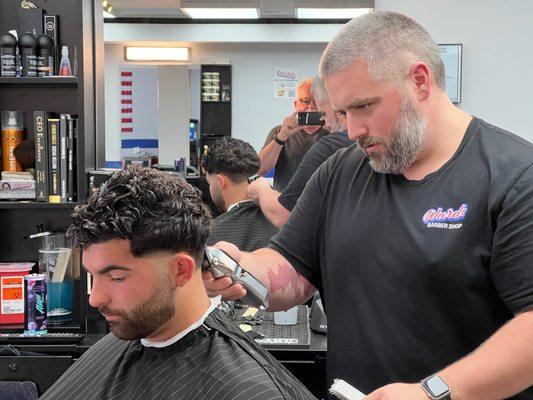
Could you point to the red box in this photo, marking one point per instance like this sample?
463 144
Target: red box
12 292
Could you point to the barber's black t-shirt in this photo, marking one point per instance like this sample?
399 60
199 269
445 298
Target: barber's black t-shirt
319 152
292 153
416 274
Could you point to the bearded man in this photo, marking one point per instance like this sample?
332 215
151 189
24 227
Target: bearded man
144 234
420 240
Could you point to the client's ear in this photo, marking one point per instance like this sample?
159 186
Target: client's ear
222 181
183 268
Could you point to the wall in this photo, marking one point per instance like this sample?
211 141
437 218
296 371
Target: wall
497 56
173 118
497 79
254 109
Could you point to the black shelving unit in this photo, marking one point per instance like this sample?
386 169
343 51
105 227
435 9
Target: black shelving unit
80 27
215 115
30 81
24 205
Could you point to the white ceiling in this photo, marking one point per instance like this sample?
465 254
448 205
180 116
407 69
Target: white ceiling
267 8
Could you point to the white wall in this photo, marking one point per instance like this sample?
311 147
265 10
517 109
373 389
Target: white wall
497 54
497 59
254 109
113 57
173 116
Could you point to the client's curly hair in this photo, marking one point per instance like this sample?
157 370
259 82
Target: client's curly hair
232 157
154 210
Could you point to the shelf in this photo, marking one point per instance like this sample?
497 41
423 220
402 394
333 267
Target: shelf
19 328
7 205
215 102
38 81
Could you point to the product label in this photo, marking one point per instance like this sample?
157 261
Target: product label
32 61
7 65
12 295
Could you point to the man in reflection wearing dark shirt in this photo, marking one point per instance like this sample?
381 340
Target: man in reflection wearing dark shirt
277 206
286 144
228 165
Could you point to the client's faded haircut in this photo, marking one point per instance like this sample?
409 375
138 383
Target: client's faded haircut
232 157
155 210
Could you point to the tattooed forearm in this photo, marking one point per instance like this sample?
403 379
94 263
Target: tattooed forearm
284 277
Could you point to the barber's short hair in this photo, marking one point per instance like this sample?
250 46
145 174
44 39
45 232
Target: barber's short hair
154 210
232 157
318 89
389 42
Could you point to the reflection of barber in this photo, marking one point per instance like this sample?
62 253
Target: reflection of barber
420 242
6 185
286 144
277 206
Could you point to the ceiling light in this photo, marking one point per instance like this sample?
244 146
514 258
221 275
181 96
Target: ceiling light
222 13
156 54
330 13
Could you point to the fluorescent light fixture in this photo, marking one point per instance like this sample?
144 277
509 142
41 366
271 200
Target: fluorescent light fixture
330 13
222 13
156 54
108 15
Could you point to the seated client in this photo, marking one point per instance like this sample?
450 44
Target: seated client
228 165
143 234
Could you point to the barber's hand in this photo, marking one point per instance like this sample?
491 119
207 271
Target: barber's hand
257 187
289 126
223 286
398 391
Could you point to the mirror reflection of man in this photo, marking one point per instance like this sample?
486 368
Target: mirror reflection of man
228 165
143 234
277 206
286 144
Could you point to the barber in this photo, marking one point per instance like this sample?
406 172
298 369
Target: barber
420 242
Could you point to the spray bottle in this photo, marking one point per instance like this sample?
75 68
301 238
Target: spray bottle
64 65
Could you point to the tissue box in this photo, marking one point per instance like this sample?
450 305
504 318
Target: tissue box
17 189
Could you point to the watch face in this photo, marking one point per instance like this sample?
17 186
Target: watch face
437 386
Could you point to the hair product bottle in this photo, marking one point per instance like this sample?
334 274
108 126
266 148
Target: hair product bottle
64 65
204 156
28 54
8 51
12 134
45 59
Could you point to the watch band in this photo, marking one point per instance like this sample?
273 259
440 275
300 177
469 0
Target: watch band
278 140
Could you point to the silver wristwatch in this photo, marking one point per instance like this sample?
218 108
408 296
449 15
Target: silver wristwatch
436 388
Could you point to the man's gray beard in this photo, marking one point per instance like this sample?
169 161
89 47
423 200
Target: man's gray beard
405 142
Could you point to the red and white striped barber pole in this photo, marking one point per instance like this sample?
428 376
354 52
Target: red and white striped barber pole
126 102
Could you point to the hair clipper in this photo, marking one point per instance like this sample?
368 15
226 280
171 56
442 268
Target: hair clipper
221 264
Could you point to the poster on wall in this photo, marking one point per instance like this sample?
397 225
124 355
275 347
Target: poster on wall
285 82
452 55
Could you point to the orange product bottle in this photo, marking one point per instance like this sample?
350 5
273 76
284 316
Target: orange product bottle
12 134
